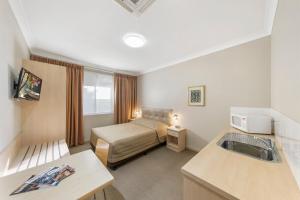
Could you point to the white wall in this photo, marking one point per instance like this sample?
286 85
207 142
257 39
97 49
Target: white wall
285 80
12 50
285 59
287 132
239 76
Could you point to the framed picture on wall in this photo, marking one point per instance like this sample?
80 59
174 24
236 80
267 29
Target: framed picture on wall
196 95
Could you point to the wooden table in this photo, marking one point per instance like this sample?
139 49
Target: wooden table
90 176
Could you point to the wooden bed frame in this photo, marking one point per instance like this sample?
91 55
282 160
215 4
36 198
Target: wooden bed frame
101 151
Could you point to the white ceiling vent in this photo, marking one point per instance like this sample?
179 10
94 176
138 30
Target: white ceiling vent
135 6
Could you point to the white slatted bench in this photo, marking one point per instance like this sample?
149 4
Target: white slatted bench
37 154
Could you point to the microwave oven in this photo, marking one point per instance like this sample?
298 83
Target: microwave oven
252 123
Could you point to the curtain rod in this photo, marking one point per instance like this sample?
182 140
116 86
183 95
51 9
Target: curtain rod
98 70
85 65
95 69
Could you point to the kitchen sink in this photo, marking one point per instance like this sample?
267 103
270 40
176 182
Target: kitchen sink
256 147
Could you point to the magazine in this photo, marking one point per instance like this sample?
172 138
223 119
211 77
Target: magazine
51 177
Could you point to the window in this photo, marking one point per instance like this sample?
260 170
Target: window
97 93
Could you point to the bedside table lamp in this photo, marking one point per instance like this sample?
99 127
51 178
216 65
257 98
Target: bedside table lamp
137 114
176 117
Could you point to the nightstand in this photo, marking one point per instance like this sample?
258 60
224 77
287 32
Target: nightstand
176 138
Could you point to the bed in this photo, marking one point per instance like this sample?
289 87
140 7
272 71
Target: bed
123 141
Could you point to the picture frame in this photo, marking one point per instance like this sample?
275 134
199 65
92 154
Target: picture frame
196 95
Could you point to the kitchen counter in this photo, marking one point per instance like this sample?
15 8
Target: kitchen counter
234 176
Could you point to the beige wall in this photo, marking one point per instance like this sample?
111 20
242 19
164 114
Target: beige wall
239 76
93 121
45 120
13 49
285 60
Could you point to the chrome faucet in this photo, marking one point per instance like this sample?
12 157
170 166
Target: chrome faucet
268 145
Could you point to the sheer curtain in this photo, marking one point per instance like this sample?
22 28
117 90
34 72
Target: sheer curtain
125 87
98 93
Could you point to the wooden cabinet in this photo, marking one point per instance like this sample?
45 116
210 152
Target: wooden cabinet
176 139
194 191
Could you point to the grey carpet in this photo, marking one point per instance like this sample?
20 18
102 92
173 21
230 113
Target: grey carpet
155 176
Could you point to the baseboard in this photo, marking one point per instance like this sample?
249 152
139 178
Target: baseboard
192 149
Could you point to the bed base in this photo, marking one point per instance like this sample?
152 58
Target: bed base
102 154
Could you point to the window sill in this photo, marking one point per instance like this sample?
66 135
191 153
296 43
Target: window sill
97 114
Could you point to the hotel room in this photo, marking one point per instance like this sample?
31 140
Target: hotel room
150 100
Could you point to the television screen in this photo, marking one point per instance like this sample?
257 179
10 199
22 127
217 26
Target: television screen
29 86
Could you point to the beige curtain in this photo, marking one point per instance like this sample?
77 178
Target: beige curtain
74 117
74 106
125 97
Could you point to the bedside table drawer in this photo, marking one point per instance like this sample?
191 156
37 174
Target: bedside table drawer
173 133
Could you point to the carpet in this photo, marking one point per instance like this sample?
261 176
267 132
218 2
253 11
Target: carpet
154 176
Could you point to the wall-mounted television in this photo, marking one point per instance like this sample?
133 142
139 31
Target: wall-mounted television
29 86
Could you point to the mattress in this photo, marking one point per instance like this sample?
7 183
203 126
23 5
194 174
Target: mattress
126 140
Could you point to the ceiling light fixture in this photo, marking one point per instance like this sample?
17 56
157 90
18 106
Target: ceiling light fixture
134 40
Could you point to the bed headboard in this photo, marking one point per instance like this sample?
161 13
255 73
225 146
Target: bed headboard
163 115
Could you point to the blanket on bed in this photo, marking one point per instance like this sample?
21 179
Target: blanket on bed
131 138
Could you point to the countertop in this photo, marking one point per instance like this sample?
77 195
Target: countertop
237 176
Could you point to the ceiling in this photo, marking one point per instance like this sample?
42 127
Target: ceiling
91 31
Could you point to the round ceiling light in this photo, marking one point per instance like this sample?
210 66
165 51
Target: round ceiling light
134 40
